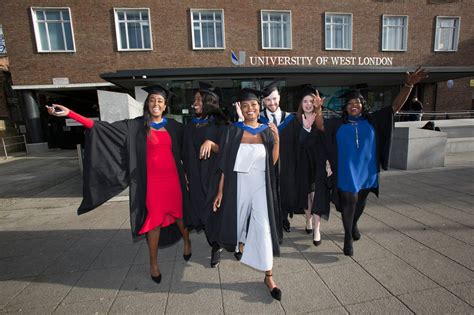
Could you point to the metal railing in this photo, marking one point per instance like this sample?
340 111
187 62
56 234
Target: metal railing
440 115
6 144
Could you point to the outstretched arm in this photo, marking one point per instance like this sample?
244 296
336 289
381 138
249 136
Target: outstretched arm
412 79
66 112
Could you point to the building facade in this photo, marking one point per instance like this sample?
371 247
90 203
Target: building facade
65 51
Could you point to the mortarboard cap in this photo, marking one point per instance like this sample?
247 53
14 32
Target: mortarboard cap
308 89
247 94
158 89
351 94
268 89
206 88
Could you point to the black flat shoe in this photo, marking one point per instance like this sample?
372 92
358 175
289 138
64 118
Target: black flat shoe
238 255
275 292
308 231
215 257
157 279
348 250
286 226
316 243
355 233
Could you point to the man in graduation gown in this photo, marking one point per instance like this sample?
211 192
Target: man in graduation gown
289 130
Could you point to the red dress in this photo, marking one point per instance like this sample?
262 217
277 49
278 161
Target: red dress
163 191
163 195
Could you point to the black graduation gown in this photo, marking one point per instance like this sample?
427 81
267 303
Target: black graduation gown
114 158
221 227
311 173
202 175
286 165
382 122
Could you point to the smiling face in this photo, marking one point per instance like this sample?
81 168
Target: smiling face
250 110
354 107
307 104
156 105
198 103
272 101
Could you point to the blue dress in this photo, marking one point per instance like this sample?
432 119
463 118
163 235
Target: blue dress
356 147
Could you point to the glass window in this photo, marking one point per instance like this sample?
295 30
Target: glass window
53 29
207 29
276 29
338 31
133 29
394 33
3 47
447 33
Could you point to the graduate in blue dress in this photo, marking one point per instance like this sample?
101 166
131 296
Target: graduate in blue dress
358 145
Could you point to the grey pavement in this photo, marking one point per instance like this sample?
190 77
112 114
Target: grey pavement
416 254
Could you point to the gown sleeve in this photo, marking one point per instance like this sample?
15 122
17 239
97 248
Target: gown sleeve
383 120
105 163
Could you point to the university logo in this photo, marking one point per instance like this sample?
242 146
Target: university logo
238 61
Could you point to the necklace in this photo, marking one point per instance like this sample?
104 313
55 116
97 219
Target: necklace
355 124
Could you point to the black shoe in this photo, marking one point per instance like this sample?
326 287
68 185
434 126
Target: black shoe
157 279
275 292
238 255
286 226
215 257
355 233
316 243
308 231
348 249
187 257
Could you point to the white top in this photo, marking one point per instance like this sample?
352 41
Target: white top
250 156
277 114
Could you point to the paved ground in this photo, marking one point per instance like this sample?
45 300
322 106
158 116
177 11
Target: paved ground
416 254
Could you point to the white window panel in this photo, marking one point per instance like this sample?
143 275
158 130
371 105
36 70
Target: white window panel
338 32
276 29
53 29
207 29
394 32
447 33
133 29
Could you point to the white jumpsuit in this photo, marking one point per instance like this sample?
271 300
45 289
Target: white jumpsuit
252 203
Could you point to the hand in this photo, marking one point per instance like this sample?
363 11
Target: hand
417 76
274 130
63 113
238 110
217 202
328 169
318 102
206 149
308 120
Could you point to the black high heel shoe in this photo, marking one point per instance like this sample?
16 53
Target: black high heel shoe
238 255
215 257
316 243
275 292
157 279
188 256
355 233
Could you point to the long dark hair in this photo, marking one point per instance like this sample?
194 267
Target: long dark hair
300 112
147 114
210 108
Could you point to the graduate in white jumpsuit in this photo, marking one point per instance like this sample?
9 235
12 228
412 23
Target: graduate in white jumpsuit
249 152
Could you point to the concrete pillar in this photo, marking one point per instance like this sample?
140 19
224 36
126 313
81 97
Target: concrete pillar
32 118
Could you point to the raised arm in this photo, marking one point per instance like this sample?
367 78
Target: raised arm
62 111
411 79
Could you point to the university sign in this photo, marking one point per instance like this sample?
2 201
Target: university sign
307 61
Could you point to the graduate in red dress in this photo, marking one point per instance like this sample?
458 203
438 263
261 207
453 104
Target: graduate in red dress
144 154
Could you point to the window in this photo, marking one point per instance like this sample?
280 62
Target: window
447 33
394 33
53 29
3 48
338 31
276 29
207 29
133 29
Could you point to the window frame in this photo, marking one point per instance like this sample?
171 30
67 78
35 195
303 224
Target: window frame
351 30
405 33
456 35
39 48
290 29
117 30
191 11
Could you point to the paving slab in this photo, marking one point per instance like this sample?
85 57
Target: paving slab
388 305
435 301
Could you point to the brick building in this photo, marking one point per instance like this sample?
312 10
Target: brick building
65 51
